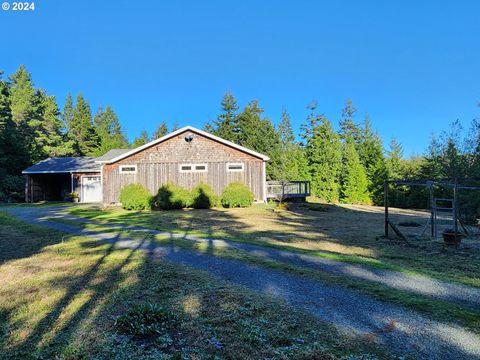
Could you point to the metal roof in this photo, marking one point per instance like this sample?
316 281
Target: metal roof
64 165
111 154
184 129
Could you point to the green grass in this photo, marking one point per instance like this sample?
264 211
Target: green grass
432 259
437 309
68 297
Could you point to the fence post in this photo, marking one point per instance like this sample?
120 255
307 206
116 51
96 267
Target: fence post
385 201
455 210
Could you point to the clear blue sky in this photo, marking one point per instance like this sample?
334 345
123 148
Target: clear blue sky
412 65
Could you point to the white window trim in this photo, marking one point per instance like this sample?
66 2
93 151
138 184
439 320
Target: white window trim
235 164
193 170
127 166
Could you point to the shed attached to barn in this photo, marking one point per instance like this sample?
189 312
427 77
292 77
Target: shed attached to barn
186 157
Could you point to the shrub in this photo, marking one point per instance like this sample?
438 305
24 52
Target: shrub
203 197
237 195
144 320
135 197
171 197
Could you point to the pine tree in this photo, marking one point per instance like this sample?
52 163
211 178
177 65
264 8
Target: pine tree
81 130
140 140
176 126
348 128
24 107
226 125
371 153
161 131
292 161
394 160
323 152
48 128
354 183
259 134
68 112
109 131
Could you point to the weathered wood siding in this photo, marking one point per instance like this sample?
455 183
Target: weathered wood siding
160 164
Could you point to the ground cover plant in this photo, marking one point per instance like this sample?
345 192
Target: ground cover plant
70 297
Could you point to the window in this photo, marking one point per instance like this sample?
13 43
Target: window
128 169
193 168
235 167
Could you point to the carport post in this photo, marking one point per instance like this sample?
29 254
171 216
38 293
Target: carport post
71 182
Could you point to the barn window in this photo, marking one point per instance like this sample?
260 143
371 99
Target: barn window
193 167
235 167
128 169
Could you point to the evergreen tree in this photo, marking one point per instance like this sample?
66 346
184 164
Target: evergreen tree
109 131
140 140
371 153
161 131
226 126
348 128
259 134
47 128
81 130
176 126
354 183
394 160
68 112
24 107
292 161
323 152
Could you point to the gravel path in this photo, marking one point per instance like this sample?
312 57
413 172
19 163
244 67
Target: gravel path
404 332
422 285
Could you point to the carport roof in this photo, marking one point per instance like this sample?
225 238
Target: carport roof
64 165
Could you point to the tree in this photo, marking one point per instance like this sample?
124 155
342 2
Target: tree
81 130
161 131
292 161
68 112
140 140
176 126
354 182
109 131
226 126
47 128
372 156
24 107
323 152
394 160
259 134
348 128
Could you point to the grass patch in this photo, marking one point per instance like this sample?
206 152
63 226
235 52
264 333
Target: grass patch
69 297
437 309
342 234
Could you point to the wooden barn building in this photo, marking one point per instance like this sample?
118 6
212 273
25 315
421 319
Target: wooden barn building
185 157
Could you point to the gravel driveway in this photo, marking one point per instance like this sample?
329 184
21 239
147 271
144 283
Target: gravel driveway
403 331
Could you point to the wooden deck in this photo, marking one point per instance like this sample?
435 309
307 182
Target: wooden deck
282 190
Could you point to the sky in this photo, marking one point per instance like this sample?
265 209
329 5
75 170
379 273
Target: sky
413 66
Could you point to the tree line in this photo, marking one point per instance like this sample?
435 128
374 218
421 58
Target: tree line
346 165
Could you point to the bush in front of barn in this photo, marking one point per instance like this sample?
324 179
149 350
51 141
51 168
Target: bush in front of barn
135 197
171 196
237 194
203 197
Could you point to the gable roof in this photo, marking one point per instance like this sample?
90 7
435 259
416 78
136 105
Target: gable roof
111 154
179 131
64 165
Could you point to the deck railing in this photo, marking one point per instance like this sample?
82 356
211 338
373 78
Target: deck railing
282 190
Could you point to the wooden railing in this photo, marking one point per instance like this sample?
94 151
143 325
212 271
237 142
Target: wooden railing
282 190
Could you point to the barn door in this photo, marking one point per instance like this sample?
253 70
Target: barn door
91 189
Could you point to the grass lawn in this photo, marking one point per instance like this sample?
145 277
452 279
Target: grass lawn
345 233
68 297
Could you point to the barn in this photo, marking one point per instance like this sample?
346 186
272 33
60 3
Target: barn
185 157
